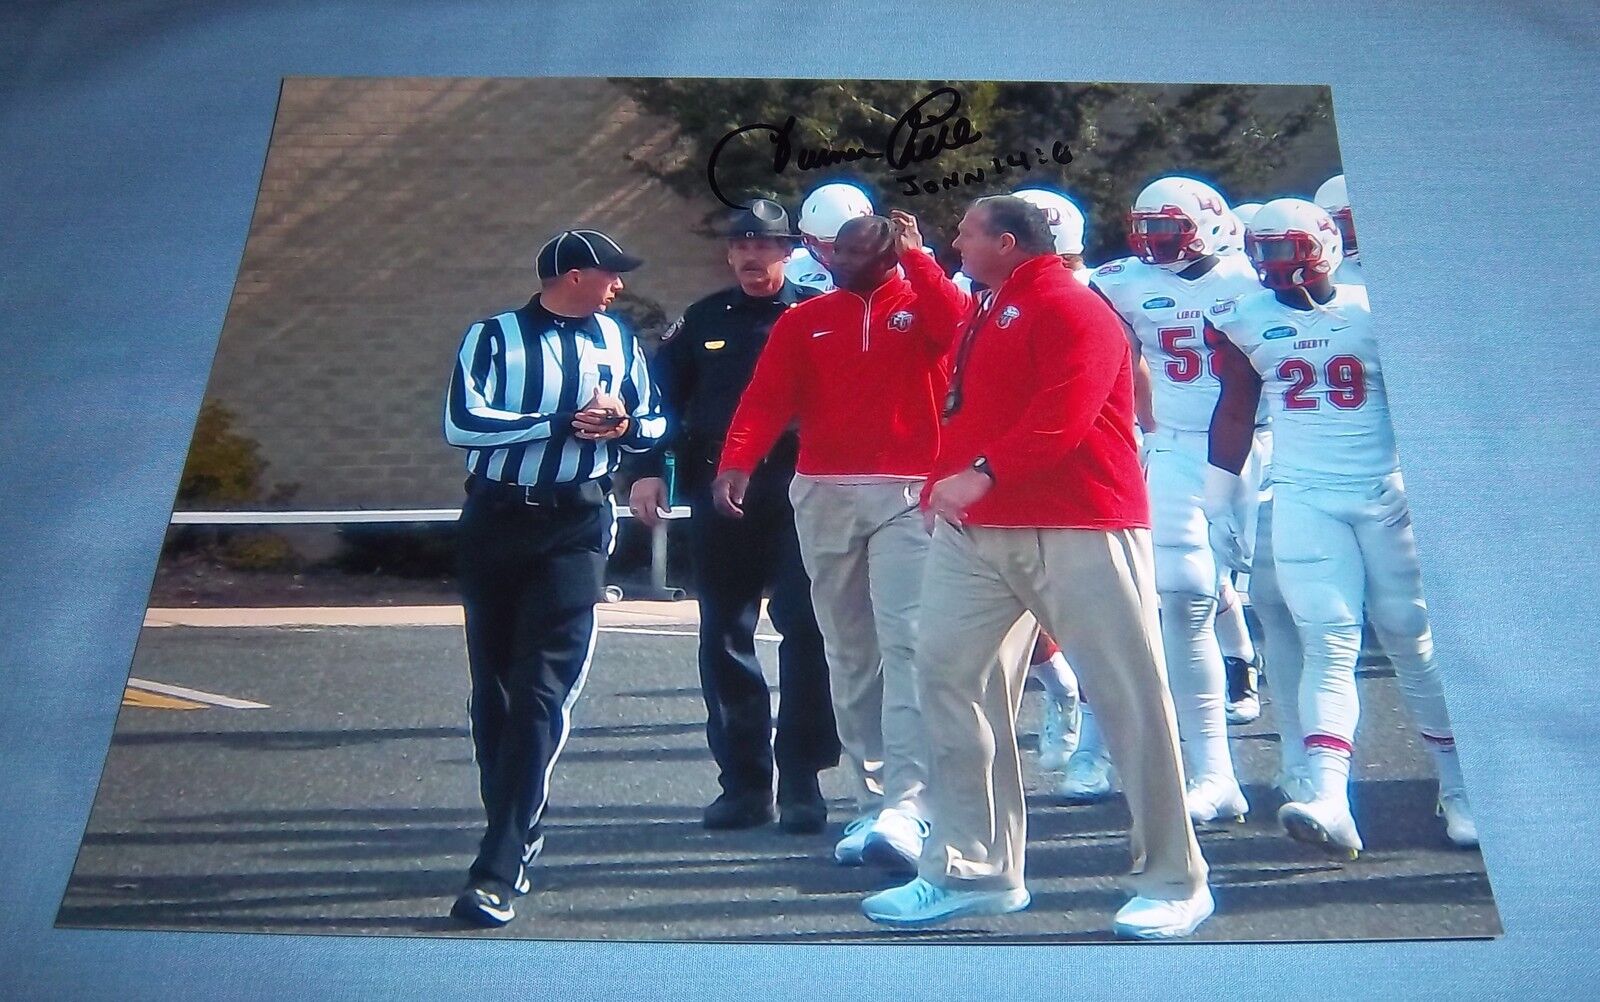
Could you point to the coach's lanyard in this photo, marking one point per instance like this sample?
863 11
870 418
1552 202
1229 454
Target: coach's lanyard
952 396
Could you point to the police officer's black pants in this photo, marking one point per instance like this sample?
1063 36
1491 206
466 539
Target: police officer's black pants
736 561
529 579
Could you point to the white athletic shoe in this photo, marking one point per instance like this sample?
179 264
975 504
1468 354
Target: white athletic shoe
1294 785
894 841
1325 823
847 851
1243 702
1216 796
1089 778
1058 734
1457 814
1153 918
922 903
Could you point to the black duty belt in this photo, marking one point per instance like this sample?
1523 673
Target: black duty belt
589 494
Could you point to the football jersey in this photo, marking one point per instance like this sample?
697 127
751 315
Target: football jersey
1167 316
1321 381
804 270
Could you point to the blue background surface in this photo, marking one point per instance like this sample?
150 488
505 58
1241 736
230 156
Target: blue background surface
131 143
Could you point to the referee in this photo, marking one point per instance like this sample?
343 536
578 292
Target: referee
703 366
544 399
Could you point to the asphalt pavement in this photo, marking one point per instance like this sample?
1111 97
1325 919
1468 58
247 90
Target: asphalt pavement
346 804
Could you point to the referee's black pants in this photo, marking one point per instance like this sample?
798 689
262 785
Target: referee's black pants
529 578
736 561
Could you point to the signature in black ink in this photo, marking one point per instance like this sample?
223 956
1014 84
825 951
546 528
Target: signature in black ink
923 132
1019 160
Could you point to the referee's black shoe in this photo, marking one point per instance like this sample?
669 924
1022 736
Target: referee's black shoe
485 903
733 811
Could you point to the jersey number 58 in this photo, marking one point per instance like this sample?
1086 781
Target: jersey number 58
1185 362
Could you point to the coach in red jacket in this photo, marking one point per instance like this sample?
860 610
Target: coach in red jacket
1038 505
862 372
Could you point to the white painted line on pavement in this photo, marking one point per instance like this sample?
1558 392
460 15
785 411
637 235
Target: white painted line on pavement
651 632
196 695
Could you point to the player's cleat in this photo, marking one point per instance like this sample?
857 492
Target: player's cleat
922 903
1211 798
485 903
1294 785
1154 918
847 851
894 842
1089 778
1325 823
1244 702
1058 734
1457 814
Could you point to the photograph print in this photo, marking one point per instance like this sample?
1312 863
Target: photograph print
793 511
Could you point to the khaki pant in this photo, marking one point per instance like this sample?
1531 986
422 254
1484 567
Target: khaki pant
864 546
1095 593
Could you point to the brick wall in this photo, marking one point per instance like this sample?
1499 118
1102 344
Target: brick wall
394 212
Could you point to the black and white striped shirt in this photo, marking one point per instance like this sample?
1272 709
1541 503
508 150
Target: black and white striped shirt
519 379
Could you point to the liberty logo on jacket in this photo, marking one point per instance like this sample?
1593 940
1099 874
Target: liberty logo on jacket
900 321
1007 315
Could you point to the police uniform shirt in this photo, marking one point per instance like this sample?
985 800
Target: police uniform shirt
705 362
519 379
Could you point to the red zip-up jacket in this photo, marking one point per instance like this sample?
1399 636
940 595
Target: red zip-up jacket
1046 395
865 377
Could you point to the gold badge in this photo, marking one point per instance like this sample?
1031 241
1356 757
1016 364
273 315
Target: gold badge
714 345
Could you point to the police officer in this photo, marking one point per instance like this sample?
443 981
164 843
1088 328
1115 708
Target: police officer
702 368
544 398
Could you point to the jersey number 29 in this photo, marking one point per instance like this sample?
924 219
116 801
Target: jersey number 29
1345 375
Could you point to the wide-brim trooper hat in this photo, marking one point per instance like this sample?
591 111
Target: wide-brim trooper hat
761 218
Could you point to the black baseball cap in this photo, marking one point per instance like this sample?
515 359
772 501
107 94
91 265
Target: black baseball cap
571 249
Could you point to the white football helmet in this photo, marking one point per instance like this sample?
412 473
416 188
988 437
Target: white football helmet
1066 221
1178 220
1246 211
829 207
1293 242
1335 200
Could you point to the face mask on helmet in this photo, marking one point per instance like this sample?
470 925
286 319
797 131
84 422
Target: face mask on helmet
1347 230
1286 260
1162 237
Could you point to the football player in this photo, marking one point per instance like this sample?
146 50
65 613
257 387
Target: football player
821 215
1341 530
1177 230
1066 224
1062 721
1335 201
